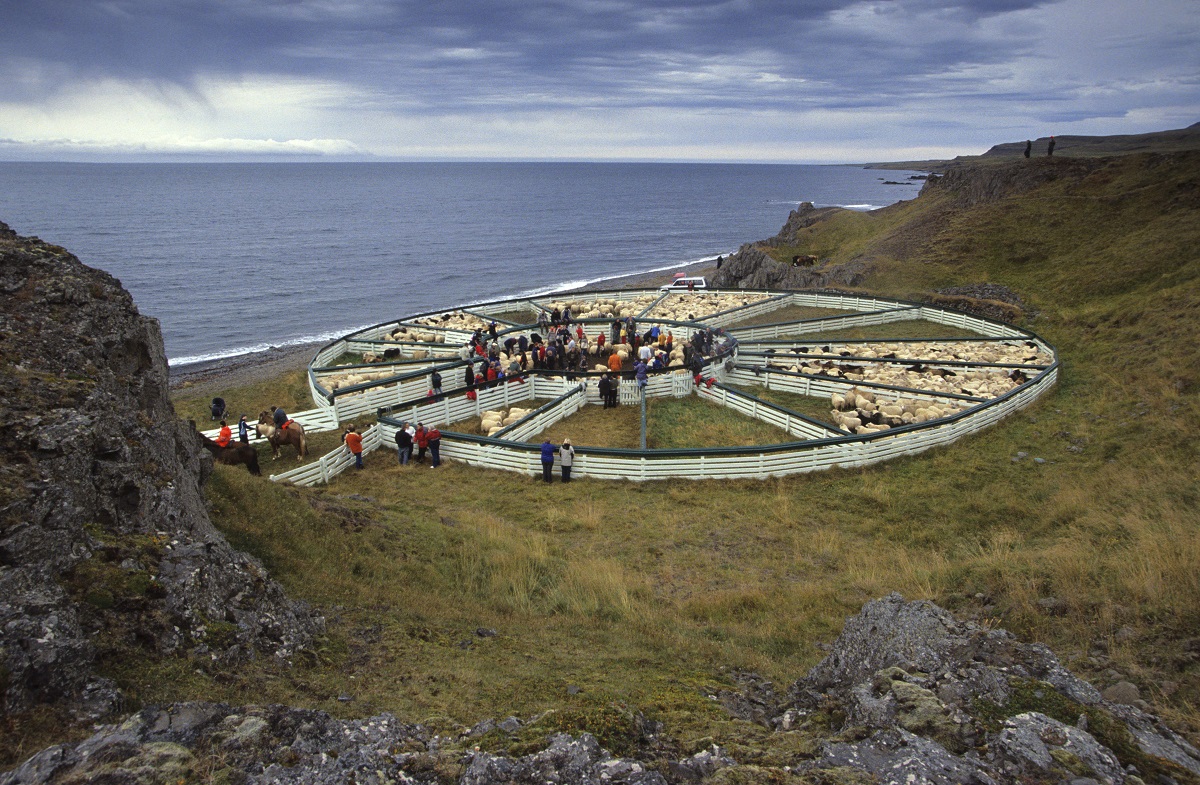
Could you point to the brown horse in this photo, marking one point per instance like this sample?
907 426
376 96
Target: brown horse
293 434
234 454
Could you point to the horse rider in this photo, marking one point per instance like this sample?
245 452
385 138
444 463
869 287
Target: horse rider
279 416
225 436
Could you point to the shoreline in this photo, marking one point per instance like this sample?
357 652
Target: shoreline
212 376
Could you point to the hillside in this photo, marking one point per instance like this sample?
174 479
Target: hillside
677 622
1074 146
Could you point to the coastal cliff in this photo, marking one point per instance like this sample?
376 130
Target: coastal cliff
911 226
106 545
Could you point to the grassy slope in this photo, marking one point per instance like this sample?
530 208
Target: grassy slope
646 596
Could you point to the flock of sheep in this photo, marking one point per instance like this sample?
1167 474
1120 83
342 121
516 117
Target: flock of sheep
863 411
494 420
686 307
983 383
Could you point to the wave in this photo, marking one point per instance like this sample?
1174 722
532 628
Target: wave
225 354
333 335
857 207
567 286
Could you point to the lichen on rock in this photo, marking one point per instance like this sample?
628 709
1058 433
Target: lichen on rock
104 527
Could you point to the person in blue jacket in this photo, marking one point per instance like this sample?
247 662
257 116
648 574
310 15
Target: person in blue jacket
548 451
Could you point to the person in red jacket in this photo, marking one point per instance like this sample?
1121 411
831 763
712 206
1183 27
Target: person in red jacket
354 443
225 436
434 437
422 440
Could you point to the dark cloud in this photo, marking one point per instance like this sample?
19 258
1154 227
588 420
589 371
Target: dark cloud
461 51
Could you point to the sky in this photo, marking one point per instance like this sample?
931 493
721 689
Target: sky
801 81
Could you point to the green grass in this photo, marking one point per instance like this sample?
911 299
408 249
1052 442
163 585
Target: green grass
788 313
289 391
645 596
912 328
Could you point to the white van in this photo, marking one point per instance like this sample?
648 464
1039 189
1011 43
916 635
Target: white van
686 284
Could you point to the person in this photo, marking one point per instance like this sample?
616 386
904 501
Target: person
614 362
547 461
603 386
354 443
421 437
639 372
469 376
225 436
1050 148
434 437
566 458
1028 147
279 417
645 352
403 444
719 260
600 343
435 381
614 391
243 430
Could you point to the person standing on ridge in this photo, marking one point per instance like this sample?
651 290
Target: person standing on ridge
1050 148
1028 147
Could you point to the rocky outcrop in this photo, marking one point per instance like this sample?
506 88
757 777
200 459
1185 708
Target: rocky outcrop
907 694
923 697
190 742
104 536
752 268
973 185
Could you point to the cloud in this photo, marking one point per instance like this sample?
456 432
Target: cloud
404 77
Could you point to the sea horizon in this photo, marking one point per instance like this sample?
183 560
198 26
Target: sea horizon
238 257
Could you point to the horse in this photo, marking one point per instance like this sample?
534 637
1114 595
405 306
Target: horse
234 454
293 434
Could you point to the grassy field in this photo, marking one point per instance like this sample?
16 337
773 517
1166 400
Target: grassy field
610 598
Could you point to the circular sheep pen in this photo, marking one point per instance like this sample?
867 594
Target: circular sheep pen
891 390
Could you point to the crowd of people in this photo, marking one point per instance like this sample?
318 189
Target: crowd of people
420 438
558 344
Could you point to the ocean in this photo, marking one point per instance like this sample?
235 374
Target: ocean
234 258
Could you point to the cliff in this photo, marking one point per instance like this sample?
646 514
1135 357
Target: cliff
902 232
106 547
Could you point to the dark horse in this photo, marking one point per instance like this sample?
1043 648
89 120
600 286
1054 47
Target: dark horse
234 454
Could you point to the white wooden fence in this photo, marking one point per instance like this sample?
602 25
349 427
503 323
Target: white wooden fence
333 463
821 446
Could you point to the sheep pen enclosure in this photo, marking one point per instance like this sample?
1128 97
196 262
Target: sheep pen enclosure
912 377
